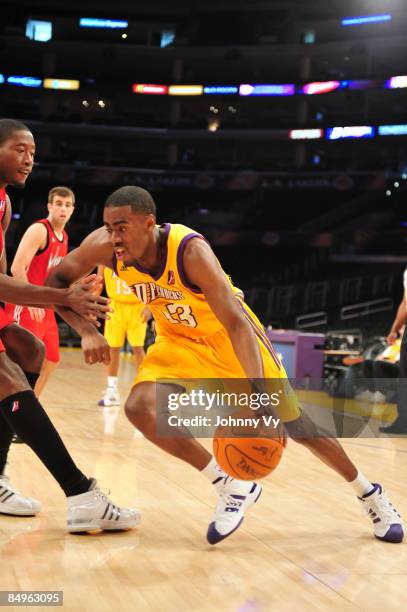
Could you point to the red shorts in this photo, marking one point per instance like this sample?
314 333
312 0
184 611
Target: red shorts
5 319
46 330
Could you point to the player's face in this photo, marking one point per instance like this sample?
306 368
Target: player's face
17 158
131 234
60 209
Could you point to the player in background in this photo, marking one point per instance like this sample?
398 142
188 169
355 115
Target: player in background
128 320
42 247
21 356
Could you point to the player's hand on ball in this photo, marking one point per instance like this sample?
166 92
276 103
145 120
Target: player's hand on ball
81 299
95 348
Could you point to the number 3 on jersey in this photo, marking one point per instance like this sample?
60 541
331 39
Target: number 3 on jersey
181 314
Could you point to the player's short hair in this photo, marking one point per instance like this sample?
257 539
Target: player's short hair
139 199
62 191
8 126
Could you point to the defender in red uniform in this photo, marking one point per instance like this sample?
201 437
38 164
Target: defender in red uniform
5 215
43 246
20 360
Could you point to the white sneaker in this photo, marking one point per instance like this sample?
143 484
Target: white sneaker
235 497
110 397
15 503
93 510
387 522
379 398
365 396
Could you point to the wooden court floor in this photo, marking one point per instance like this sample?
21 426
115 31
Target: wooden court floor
305 546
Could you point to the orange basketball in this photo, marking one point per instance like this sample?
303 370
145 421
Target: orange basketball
248 458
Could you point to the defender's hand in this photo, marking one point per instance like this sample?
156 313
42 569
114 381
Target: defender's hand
95 348
81 299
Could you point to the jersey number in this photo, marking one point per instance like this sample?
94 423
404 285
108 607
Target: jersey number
181 314
122 288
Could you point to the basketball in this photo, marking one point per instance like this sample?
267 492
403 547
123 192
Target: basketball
248 458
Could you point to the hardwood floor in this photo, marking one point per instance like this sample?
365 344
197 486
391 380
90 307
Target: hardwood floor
304 546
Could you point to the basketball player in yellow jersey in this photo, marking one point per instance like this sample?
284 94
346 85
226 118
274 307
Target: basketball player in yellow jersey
128 320
203 330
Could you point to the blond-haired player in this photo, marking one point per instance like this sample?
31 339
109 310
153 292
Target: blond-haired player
128 320
42 247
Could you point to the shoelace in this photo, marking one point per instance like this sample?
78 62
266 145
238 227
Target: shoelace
384 509
103 495
230 505
229 500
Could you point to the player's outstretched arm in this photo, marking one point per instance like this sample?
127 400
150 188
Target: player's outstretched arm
203 270
79 297
95 250
19 292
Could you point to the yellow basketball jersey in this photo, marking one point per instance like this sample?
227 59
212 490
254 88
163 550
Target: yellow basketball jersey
118 290
179 308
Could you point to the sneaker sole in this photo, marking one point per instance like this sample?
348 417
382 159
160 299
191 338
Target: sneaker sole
18 512
214 537
103 526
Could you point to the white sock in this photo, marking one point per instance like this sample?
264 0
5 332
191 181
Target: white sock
212 471
112 382
361 485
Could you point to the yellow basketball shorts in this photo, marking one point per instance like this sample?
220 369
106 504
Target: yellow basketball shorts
180 358
125 321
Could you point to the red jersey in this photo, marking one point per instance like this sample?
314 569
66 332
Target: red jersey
48 257
3 207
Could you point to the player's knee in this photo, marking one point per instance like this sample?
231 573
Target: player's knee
12 379
138 409
24 348
36 350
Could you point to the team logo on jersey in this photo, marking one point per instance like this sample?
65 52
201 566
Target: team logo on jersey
124 268
15 406
171 278
54 260
148 292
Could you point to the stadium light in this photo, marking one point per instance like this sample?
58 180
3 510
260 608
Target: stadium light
61 84
221 89
185 90
392 130
24 81
266 90
40 31
350 131
320 87
144 88
352 21
310 134
91 22
396 82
